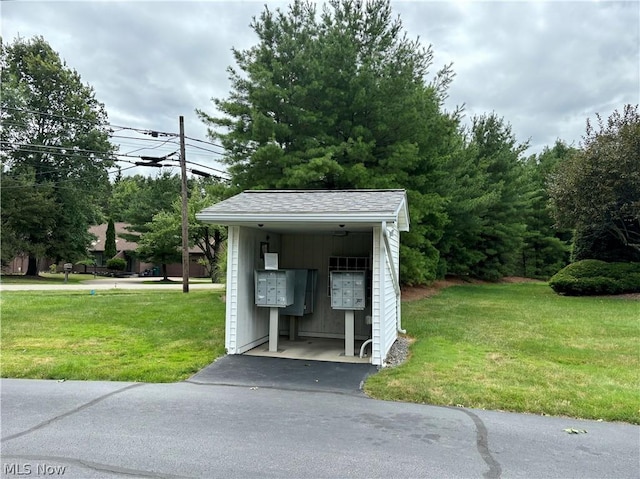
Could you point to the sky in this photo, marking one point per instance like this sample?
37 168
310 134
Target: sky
543 66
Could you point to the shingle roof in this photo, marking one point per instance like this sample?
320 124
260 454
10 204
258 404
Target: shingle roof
100 231
305 205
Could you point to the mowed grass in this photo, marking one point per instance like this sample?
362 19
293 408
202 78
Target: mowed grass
520 347
43 278
114 335
514 347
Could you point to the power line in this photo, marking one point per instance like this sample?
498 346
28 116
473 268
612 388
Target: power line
154 133
60 151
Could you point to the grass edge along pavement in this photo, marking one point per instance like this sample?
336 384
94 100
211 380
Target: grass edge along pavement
520 348
515 347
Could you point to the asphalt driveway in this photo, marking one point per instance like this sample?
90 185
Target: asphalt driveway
289 374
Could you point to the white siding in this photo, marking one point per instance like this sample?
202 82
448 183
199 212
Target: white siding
391 310
377 356
246 325
231 315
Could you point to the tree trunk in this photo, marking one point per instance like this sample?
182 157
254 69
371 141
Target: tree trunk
32 269
215 272
164 272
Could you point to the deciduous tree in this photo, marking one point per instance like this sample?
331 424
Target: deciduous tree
55 154
597 190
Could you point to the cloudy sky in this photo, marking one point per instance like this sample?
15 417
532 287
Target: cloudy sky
544 66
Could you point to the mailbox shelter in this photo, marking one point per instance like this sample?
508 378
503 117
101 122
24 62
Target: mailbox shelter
341 251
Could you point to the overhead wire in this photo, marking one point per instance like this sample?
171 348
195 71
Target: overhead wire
169 138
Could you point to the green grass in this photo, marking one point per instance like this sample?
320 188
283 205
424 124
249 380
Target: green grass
43 278
58 278
514 347
520 347
112 335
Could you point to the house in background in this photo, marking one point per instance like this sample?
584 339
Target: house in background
126 250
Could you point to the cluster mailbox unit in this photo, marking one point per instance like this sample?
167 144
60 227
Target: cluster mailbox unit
348 289
274 288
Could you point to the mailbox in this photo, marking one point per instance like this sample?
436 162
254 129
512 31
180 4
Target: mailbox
68 267
274 288
348 290
304 293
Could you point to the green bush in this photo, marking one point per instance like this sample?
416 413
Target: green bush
117 264
594 277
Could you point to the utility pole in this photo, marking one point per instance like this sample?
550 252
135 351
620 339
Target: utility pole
185 217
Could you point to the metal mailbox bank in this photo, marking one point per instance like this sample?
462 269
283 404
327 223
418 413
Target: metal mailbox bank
337 268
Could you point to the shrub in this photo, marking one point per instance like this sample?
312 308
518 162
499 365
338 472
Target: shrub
117 264
593 277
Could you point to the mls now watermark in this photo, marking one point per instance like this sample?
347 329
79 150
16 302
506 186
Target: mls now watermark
28 469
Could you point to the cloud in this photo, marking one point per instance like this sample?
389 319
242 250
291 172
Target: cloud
543 66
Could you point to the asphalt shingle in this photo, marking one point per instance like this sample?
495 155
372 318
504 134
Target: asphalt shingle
311 201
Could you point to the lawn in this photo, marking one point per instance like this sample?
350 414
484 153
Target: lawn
110 335
520 347
58 278
513 347
43 278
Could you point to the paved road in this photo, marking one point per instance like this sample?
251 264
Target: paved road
109 283
188 429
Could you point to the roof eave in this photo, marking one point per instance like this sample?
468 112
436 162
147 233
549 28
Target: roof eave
262 218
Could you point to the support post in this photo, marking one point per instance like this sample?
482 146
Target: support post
274 316
349 335
185 217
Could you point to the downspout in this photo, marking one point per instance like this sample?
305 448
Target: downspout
394 277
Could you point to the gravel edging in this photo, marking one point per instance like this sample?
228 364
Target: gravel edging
398 352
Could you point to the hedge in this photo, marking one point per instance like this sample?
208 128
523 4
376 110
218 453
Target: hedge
594 277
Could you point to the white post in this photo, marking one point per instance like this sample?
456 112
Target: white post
273 330
349 335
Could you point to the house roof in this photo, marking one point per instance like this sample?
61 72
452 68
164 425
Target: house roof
313 208
100 232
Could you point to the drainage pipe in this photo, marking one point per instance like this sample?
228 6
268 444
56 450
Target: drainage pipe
394 278
364 345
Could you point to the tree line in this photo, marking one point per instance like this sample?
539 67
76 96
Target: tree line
331 97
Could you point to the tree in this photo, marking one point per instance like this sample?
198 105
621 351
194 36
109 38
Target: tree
161 243
597 190
136 199
55 154
487 202
341 100
546 248
209 238
110 240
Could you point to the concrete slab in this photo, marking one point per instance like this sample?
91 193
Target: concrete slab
290 374
312 349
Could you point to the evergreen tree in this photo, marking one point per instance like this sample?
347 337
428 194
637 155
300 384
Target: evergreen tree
546 248
341 100
488 203
110 241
